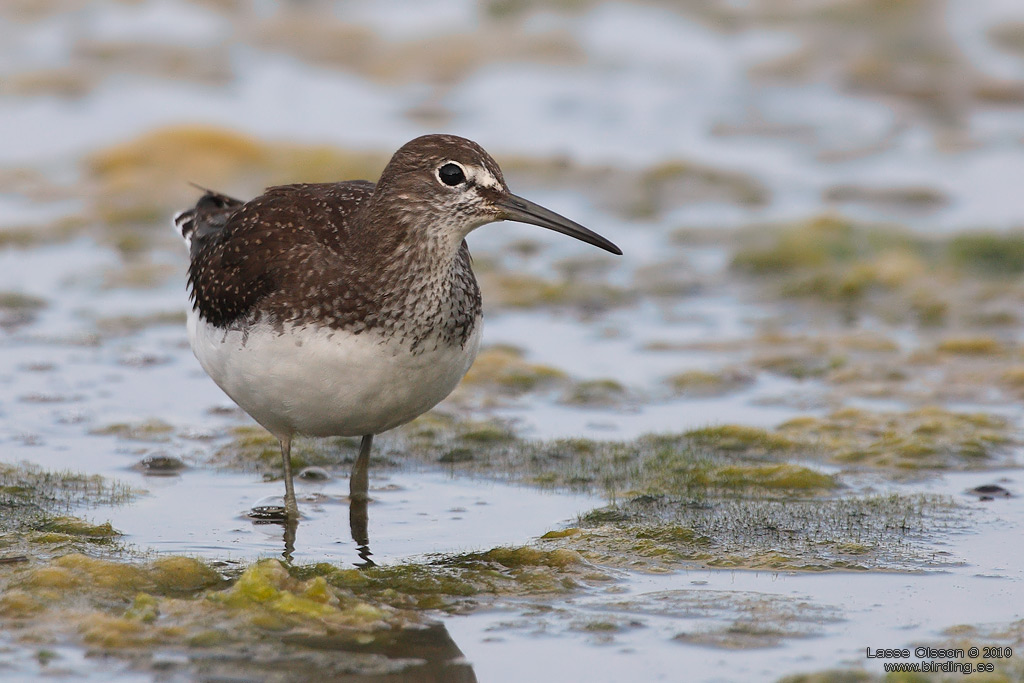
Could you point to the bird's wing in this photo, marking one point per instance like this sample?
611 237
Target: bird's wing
243 252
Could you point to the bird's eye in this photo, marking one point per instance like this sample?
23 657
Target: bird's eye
451 174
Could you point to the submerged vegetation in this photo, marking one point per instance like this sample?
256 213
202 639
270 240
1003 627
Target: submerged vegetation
30 495
848 533
728 458
38 515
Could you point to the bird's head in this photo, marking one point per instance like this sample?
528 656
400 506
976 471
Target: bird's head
450 185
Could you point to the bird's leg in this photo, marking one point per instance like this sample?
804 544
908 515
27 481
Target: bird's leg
358 483
358 497
291 508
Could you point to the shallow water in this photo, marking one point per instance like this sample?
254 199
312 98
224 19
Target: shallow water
411 514
649 85
846 612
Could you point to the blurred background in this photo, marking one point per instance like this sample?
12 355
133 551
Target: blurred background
904 110
819 203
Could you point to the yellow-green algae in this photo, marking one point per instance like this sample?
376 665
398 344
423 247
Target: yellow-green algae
850 533
273 599
505 289
738 438
17 309
27 237
668 183
181 603
971 346
988 253
66 529
707 383
136 185
886 270
772 477
131 324
926 438
734 458
824 241
456 583
595 392
147 430
717 458
335 615
502 371
209 154
505 368
20 301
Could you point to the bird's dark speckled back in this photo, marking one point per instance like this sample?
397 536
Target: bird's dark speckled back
299 254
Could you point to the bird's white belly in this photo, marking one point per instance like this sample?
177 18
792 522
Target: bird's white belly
324 382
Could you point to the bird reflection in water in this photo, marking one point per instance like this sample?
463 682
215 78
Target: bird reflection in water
358 498
438 659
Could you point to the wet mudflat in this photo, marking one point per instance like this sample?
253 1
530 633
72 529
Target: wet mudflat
786 426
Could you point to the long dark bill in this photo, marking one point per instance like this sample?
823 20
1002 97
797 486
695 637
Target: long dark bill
524 211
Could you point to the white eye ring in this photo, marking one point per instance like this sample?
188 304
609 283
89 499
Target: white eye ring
451 173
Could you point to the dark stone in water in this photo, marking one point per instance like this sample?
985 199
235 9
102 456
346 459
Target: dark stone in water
990 492
161 465
267 513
